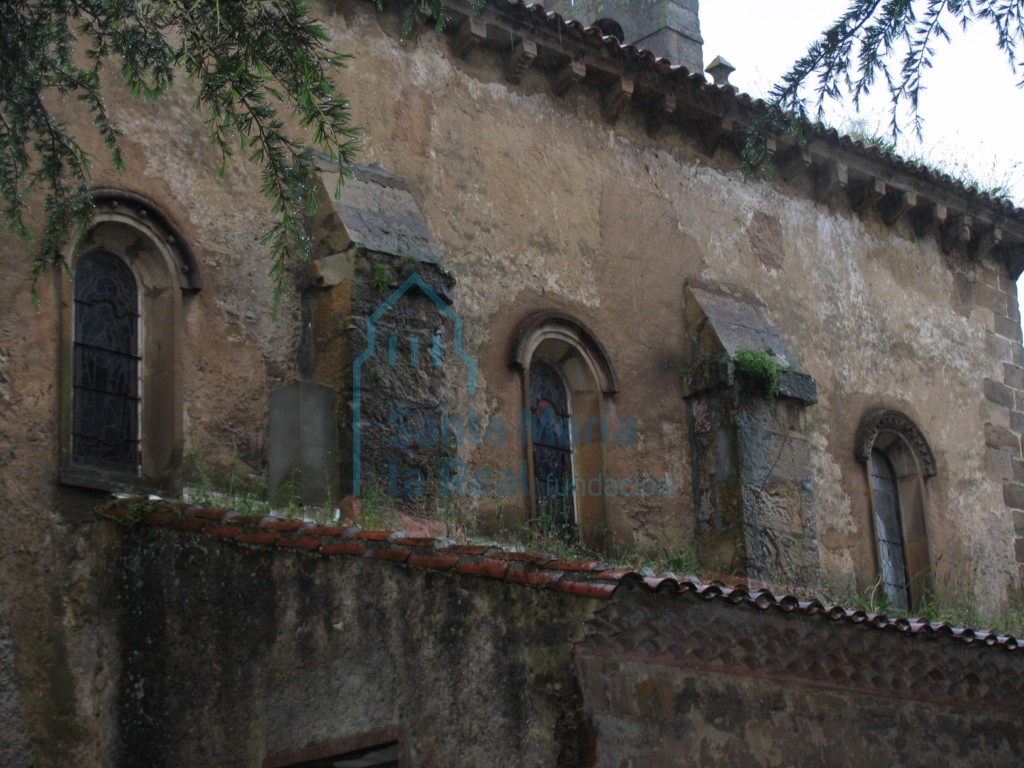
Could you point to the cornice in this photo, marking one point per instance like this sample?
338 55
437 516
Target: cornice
828 167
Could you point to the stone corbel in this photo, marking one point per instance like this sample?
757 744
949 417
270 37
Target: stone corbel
985 240
331 270
472 32
712 133
616 98
927 218
864 194
956 232
660 112
832 181
522 56
793 162
896 204
568 76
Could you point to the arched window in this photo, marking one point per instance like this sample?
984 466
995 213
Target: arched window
898 461
567 381
122 340
105 373
892 561
551 438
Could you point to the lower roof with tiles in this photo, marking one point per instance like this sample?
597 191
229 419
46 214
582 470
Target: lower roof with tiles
585 579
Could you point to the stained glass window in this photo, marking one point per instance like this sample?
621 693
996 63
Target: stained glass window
105 396
551 437
889 532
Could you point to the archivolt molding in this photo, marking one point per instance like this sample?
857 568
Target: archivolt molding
137 231
133 210
882 420
548 324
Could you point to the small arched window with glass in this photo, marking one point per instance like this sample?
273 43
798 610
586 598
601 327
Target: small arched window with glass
551 438
898 461
122 334
105 396
567 382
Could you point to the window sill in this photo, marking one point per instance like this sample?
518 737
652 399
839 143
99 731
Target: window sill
111 480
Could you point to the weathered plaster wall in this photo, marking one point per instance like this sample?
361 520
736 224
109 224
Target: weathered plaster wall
538 203
234 654
234 353
14 749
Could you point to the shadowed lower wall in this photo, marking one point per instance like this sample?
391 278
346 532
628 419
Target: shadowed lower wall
233 655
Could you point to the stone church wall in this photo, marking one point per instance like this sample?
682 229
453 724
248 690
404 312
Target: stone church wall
538 203
236 654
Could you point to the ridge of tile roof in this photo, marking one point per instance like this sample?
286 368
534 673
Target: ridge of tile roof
587 579
744 106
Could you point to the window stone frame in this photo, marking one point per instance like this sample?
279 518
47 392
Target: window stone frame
898 437
136 231
567 345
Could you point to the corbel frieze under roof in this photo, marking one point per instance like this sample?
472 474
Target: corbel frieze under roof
828 165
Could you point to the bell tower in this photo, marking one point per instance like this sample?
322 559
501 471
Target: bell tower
667 28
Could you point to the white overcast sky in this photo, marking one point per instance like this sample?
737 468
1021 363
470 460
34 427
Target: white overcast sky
973 112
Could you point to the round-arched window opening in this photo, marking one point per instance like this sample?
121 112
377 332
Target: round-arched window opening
567 381
898 461
122 347
105 386
551 438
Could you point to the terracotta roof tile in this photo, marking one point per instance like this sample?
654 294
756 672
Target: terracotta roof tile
117 513
326 530
351 548
158 517
491 569
598 589
655 583
613 574
415 541
309 543
461 549
375 535
200 513
525 569
395 554
224 531
284 526
433 562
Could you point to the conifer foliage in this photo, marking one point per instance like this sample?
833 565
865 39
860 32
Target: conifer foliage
255 64
887 44
857 51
